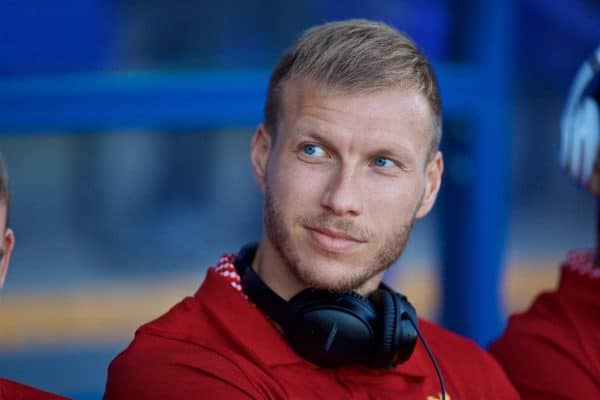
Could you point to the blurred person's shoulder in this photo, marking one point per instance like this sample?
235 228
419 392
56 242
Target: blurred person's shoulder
564 318
11 390
552 348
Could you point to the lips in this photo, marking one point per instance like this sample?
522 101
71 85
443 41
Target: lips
333 242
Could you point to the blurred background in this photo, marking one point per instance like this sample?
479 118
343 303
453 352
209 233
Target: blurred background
126 128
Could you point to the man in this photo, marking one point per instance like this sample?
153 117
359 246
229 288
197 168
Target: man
347 159
10 390
552 350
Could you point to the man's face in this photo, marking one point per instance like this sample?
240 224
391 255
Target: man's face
6 245
344 180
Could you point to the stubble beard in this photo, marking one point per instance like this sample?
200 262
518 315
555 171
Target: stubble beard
280 237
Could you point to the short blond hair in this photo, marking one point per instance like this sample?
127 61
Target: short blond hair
355 56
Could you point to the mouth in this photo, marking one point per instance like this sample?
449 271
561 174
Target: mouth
332 241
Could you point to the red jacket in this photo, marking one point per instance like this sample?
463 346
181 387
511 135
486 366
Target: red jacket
552 351
10 390
218 345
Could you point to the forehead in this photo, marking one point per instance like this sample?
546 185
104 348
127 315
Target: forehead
397 114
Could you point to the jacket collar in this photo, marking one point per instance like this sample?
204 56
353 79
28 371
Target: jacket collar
248 326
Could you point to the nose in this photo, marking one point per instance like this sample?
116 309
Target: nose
342 196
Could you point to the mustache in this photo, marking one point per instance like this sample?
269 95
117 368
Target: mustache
342 225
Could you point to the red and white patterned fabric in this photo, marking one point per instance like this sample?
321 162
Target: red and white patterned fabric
582 261
226 269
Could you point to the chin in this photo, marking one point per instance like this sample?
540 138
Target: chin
332 276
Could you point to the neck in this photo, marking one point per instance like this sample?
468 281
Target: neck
274 271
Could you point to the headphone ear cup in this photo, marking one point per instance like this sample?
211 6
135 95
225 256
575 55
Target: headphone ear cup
331 330
405 330
397 335
387 343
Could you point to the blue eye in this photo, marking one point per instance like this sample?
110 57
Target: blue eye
312 150
383 162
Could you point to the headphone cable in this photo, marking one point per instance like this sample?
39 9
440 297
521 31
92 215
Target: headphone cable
433 360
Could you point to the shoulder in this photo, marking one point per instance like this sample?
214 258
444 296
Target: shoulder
543 319
190 349
154 367
467 367
536 330
543 352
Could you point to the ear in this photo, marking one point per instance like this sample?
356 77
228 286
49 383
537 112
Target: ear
7 245
259 154
433 180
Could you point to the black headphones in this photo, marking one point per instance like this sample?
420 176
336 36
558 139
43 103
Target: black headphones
334 330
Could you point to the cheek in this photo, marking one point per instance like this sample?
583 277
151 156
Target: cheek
393 200
296 186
